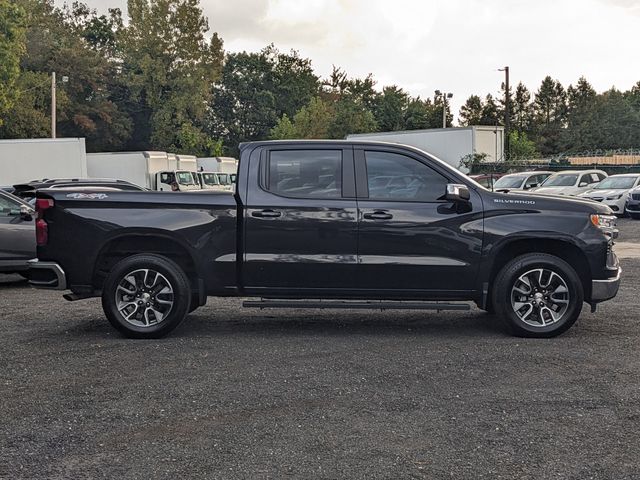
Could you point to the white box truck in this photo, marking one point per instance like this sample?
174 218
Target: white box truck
147 169
448 144
36 159
217 172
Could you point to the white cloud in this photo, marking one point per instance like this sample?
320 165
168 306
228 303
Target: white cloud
453 45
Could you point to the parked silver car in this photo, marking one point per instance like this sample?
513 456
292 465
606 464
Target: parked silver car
17 234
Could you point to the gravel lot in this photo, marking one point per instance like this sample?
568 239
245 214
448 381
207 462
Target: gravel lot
239 393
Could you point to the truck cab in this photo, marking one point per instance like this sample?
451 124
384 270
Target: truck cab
176 181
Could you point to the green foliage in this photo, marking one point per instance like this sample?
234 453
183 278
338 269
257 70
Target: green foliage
12 46
521 109
168 65
473 161
159 80
520 146
257 89
351 116
471 111
283 130
390 108
313 120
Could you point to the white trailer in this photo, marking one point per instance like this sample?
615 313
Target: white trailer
218 164
148 169
187 162
35 159
448 144
224 168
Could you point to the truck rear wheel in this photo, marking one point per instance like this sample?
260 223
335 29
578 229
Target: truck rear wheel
146 296
538 295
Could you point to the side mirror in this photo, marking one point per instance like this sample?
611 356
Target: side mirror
457 193
583 184
26 213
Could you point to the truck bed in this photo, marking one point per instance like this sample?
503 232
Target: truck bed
199 226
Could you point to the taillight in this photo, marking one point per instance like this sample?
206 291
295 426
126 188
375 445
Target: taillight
42 229
42 232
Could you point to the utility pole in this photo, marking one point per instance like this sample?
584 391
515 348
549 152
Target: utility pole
53 104
444 96
507 112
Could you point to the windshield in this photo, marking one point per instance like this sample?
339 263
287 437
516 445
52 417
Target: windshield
224 179
185 178
565 180
510 181
210 179
616 182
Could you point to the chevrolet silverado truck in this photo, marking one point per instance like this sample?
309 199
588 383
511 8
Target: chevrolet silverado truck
330 224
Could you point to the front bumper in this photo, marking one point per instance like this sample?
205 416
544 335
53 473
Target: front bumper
47 275
602 290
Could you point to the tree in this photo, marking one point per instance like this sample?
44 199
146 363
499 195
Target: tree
313 120
549 115
521 108
12 46
351 117
390 108
421 114
292 78
283 130
521 147
256 90
55 42
168 66
612 123
471 111
490 112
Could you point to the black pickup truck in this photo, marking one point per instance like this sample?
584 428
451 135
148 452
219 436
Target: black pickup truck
330 224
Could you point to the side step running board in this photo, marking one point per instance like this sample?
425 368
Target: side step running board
355 305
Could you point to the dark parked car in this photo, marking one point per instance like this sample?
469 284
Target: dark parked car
487 180
312 225
633 204
17 234
27 191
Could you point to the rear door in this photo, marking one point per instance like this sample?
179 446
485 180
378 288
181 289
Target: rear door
300 221
412 242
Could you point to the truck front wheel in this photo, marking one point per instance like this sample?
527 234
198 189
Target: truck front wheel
538 295
146 296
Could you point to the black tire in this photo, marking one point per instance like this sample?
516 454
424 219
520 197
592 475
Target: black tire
635 216
168 276
508 278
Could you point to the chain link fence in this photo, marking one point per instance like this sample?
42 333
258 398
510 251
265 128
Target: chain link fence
611 161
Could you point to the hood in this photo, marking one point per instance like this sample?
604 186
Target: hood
603 193
541 201
554 190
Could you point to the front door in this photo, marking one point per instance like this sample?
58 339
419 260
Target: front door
300 221
412 242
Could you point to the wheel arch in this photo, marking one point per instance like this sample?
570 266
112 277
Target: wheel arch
559 247
132 243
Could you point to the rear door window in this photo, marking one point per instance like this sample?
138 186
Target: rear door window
305 173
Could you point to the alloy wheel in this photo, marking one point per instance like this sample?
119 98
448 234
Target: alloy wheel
540 297
144 297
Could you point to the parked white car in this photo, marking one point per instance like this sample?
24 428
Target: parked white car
520 181
614 191
571 182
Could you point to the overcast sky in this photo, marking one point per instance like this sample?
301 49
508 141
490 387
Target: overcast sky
451 45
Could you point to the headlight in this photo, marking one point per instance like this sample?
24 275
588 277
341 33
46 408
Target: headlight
604 222
615 197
